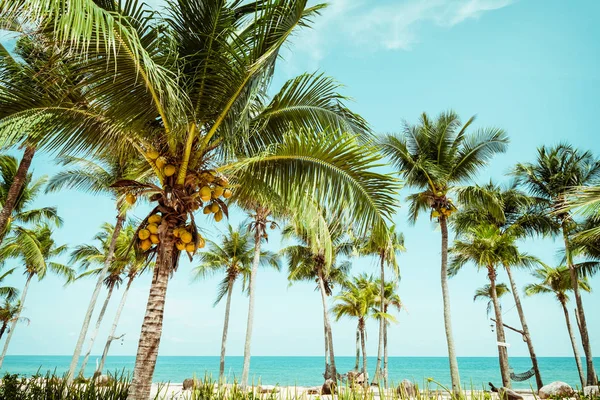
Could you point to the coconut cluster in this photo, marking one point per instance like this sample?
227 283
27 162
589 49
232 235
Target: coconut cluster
148 235
187 240
445 211
211 192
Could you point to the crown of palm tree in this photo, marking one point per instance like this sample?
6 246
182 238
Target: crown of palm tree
554 280
9 310
485 293
357 299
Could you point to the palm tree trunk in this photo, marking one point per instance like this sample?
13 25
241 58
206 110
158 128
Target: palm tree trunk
534 362
225 329
145 360
3 328
454 374
500 336
326 337
363 344
573 343
15 189
592 379
96 329
385 353
90 310
321 280
113 328
357 361
258 233
377 376
16 319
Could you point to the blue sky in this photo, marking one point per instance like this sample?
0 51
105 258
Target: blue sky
529 66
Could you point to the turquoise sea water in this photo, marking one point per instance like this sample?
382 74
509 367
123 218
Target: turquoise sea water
307 371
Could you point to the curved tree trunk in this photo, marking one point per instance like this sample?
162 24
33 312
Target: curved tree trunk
500 336
592 379
332 373
534 362
96 329
258 233
385 353
94 299
357 361
225 329
3 328
382 321
145 360
15 189
573 343
454 374
113 329
363 344
15 320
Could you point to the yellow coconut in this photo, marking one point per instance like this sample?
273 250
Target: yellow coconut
201 243
160 162
145 244
227 193
205 193
217 192
190 247
206 210
153 228
130 198
176 232
155 219
435 214
169 170
154 239
219 216
185 237
144 234
214 207
180 245
152 154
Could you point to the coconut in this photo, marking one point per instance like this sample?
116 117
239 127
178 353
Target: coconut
214 207
144 234
219 216
160 162
152 154
190 247
227 193
185 237
180 245
155 219
435 214
145 244
169 170
130 198
217 192
153 228
201 243
176 232
206 210
154 239
205 193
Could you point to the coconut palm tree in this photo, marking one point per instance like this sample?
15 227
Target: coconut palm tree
514 213
433 157
357 300
485 293
485 247
391 300
308 260
35 248
551 178
385 248
233 256
187 90
8 314
96 177
557 281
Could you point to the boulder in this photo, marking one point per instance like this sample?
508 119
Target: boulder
591 391
509 394
189 384
103 380
407 389
355 377
556 390
328 387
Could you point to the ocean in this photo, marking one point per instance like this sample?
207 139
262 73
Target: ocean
307 371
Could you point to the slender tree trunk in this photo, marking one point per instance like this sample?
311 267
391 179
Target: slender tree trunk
3 328
13 325
385 353
333 371
96 329
573 343
592 379
500 336
377 376
258 233
363 344
454 374
94 299
225 330
15 190
357 361
147 352
534 362
113 328
326 337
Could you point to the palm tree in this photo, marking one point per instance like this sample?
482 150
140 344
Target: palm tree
357 300
391 299
550 179
35 248
8 314
131 265
558 281
234 257
434 156
515 214
188 92
485 293
486 247
308 260
96 177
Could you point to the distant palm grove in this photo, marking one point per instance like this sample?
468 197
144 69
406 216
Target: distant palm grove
176 109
